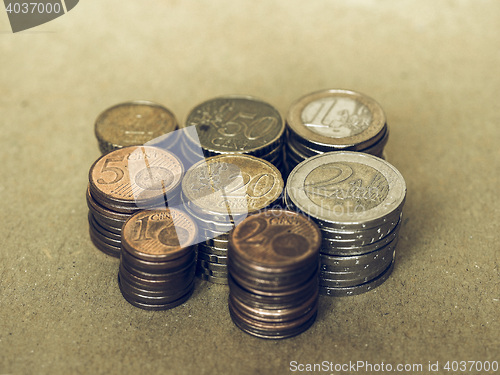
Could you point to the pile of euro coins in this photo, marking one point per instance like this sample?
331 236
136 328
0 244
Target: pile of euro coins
357 201
273 264
235 125
157 263
134 123
334 120
218 193
125 181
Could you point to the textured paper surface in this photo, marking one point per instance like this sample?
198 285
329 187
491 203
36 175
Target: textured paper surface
433 66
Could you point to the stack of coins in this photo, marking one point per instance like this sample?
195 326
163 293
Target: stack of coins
273 263
236 124
125 181
334 120
133 123
357 200
220 192
157 264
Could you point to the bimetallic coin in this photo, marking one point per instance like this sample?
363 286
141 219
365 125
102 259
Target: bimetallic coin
132 123
358 289
135 177
338 118
231 185
346 189
236 124
333 248
159 235
335 263
355 277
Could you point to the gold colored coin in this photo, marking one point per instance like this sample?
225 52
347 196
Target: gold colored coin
132 123
231 185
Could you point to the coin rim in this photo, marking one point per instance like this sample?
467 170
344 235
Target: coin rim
358 141
395 197
248 151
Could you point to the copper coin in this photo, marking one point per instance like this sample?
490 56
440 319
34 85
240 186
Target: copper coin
263 334
171 294
155 266
267 287
272 329
103 214
276 315
276 301
270 280
132 123
102 230
276 241
103 246
159 235
135 177
149 306
172 283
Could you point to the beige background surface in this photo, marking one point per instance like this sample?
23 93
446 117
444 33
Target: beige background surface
434 67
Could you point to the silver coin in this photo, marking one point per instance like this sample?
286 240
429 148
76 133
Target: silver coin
206 271
347 189
202 248
212 266
333 248
358 289
213 279
334 263
365 236
220 259
355 277
216 242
